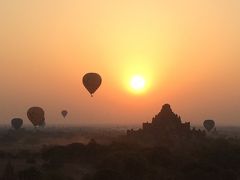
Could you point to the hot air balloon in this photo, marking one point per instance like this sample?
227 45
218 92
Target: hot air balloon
92 82
209 124
64 113
17 123
36 116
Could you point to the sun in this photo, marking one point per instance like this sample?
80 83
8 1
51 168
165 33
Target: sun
137 83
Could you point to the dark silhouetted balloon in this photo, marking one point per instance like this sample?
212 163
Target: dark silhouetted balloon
209 124
17 123
64 113
36 116
92 82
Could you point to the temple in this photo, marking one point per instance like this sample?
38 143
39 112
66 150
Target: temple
166 124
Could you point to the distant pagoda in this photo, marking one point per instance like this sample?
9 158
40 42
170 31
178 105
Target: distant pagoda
166 124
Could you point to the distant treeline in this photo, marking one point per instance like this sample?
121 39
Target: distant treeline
213 159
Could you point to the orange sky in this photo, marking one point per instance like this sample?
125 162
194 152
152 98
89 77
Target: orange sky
188 51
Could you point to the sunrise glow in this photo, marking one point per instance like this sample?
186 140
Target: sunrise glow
182 52
137 83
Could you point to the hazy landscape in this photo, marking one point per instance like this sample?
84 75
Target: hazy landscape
72 152
119 90
29 138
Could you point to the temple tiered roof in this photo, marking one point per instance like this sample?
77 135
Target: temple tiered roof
165 124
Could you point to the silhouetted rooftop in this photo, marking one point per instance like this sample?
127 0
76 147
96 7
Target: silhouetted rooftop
165 124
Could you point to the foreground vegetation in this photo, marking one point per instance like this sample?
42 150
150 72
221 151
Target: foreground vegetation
203 159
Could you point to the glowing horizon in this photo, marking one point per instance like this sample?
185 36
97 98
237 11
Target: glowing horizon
187 53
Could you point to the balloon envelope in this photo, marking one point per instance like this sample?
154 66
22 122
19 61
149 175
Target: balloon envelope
92 82
17 123
209 124
64 113
36 116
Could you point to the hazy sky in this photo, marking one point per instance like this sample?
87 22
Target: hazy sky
188 51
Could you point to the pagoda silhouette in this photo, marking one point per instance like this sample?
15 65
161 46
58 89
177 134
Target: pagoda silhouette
165 125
